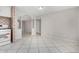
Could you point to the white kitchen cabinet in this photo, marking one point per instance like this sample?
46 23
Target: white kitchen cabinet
5 11
5 36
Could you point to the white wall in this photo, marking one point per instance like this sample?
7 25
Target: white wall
18 32
63 23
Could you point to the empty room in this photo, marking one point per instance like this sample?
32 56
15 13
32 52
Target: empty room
39 29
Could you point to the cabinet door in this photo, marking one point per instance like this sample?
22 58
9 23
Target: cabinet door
5 11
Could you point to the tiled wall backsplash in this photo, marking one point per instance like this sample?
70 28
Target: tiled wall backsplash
5 21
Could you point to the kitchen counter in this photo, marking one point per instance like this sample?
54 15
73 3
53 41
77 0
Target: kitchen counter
4 28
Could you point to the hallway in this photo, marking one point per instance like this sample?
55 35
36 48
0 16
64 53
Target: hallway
37 44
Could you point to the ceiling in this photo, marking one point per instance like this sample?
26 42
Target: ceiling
34 10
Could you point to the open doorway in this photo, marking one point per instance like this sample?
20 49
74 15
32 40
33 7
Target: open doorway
38 27
31 27
26 28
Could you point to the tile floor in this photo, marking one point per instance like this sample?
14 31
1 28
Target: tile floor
37 44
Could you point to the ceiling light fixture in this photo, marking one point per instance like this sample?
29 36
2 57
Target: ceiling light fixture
40 8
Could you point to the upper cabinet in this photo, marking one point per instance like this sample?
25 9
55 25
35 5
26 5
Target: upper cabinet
5 11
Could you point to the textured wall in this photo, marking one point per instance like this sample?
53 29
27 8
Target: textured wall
5 21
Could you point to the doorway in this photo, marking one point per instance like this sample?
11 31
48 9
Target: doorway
26 28
31 27
38 27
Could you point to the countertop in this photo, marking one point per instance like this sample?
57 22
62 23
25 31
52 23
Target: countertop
4 28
